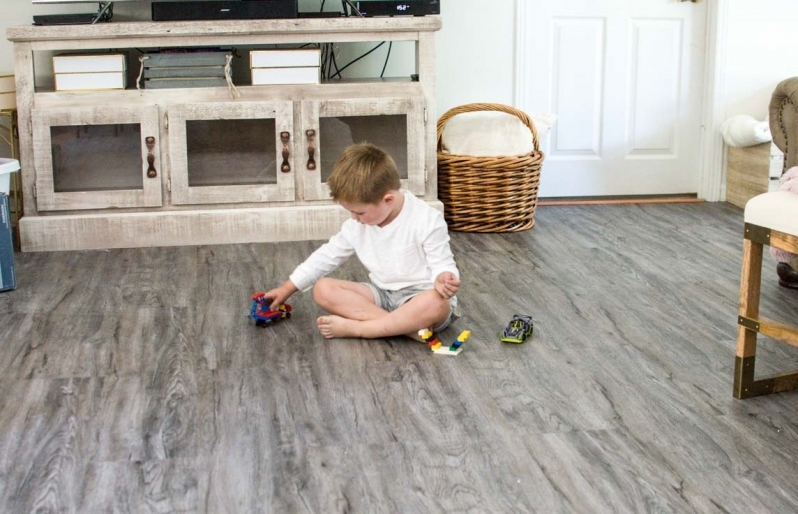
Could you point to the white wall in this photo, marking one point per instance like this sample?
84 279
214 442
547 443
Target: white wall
15 12
476 64
762 50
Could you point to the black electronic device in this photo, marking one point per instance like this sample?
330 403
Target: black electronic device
192 10
398 7
105 13
65 19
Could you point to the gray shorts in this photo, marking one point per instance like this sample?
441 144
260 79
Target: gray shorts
392 300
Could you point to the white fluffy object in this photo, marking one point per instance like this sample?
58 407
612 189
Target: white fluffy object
492 133
743 130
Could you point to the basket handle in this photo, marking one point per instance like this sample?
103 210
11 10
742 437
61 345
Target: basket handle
488 107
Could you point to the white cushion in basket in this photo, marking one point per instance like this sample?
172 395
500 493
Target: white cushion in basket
492 133
777 210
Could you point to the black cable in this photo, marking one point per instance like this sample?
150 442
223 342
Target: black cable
335 63
324 57
388 55
352 8
327 58
321 9
105 11
350 63
323 62
321 56
330 59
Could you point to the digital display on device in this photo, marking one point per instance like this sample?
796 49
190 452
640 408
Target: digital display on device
399 7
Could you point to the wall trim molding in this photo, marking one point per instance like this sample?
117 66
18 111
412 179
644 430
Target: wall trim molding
522 56
712 169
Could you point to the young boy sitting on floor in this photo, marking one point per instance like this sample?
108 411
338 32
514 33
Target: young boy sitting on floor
402 242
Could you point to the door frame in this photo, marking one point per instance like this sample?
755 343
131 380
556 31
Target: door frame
712 165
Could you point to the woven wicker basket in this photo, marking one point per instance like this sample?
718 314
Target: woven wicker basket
489 194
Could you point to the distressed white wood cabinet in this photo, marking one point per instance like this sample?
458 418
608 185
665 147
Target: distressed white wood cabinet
161 167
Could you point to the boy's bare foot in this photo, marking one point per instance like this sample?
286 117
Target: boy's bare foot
336 326
332 326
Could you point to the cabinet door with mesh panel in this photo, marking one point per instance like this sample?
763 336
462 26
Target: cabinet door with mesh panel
225 152
97 158
328 126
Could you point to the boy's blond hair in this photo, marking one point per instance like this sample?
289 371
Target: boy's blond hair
363 174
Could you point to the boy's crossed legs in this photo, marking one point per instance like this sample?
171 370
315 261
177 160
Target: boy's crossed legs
354 313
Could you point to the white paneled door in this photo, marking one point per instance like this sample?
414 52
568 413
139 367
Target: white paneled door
625 78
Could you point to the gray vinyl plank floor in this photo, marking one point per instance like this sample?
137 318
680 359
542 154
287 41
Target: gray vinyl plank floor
133 381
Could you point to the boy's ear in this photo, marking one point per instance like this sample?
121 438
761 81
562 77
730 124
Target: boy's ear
388 197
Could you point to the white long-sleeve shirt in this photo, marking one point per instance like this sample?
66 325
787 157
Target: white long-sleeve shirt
411 250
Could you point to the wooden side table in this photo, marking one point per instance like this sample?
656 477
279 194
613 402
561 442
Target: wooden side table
747 173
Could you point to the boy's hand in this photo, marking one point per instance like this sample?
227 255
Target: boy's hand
279 295
447 284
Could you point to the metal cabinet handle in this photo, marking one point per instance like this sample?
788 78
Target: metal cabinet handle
151 172
285 137
311 148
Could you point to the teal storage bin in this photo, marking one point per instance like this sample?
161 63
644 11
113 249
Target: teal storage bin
8 279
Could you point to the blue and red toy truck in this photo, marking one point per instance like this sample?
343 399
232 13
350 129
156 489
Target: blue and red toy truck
263 314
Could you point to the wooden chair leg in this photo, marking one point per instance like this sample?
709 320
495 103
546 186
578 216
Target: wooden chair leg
750 323
750 284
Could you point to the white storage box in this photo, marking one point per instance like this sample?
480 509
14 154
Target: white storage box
95 63
285 58
276 76
278 67
90 81
7 167
90 72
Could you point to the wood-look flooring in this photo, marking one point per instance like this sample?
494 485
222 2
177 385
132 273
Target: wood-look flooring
133 381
